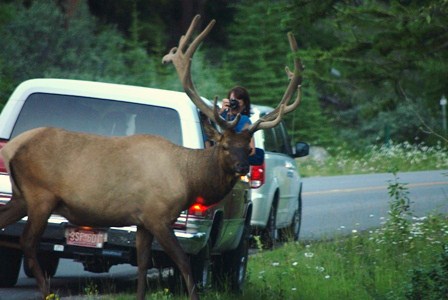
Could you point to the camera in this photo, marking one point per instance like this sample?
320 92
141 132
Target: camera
234 104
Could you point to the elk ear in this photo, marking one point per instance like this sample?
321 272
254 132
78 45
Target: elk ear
211 132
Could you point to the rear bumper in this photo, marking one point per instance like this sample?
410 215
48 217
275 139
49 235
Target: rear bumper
262 203
120 245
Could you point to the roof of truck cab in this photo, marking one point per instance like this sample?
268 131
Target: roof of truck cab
91 89
259 110
104 90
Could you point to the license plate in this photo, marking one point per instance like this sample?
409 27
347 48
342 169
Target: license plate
85 238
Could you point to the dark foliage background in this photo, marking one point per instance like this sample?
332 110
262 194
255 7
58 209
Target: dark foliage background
375 70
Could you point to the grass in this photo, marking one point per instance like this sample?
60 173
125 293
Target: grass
371 265
376 159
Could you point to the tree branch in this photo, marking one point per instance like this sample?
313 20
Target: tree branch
428 130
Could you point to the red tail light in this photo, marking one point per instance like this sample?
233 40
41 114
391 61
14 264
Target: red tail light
2 163
257 176
197 210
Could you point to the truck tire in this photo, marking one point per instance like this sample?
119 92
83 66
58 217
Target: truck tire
231 267
48 263
10 260
201 267
269 234
292 232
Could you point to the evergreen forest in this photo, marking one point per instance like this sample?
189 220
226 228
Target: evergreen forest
375 70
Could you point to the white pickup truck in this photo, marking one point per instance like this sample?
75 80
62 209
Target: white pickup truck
215 237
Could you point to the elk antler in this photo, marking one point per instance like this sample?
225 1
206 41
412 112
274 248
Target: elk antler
181 58
275 116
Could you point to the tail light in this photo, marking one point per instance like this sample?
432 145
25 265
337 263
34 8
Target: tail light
2 163
257 176
197 210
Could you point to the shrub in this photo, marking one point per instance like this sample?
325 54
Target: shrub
377 159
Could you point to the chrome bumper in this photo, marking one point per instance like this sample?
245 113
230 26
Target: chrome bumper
192 239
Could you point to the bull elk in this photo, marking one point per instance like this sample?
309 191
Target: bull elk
47 175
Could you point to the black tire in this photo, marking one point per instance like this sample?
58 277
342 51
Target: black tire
10 260
292 232
48 263
269 234
201 267
231 267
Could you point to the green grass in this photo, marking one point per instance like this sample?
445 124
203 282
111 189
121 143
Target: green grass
370 265
376 159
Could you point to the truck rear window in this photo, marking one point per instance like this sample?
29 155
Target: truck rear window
98 116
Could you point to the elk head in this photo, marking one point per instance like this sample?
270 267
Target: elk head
234 146
234 149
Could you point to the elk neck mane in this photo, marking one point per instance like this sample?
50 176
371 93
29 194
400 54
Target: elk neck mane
207 176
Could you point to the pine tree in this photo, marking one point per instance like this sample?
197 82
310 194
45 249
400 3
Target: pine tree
258 50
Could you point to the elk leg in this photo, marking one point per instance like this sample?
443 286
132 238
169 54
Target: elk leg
12 211
143 244
37 221
165 236
31 234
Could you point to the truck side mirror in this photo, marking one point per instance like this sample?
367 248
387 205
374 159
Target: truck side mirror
301 149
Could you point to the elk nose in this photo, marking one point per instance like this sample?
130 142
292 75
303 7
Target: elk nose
242 168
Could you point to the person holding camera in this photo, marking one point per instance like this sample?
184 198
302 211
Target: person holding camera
238 102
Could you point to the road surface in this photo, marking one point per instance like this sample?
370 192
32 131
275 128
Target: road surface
340 204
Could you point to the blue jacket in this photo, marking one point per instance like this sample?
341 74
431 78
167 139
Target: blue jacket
244 120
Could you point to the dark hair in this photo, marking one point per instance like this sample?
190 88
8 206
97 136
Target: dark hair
241 93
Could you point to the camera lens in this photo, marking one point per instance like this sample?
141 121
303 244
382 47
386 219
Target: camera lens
234 104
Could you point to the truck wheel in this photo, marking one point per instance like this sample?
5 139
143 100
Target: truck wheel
10 260
48 263
292 232
231 267
269 235
201 267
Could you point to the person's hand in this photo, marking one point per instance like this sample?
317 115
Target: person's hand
225 105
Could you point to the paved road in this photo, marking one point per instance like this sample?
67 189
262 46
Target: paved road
72 280
331 205
340 204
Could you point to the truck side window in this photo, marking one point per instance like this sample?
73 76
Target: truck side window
283 139
276 140
270 142
288 145
279 139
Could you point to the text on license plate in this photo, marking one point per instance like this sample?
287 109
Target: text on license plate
85 238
